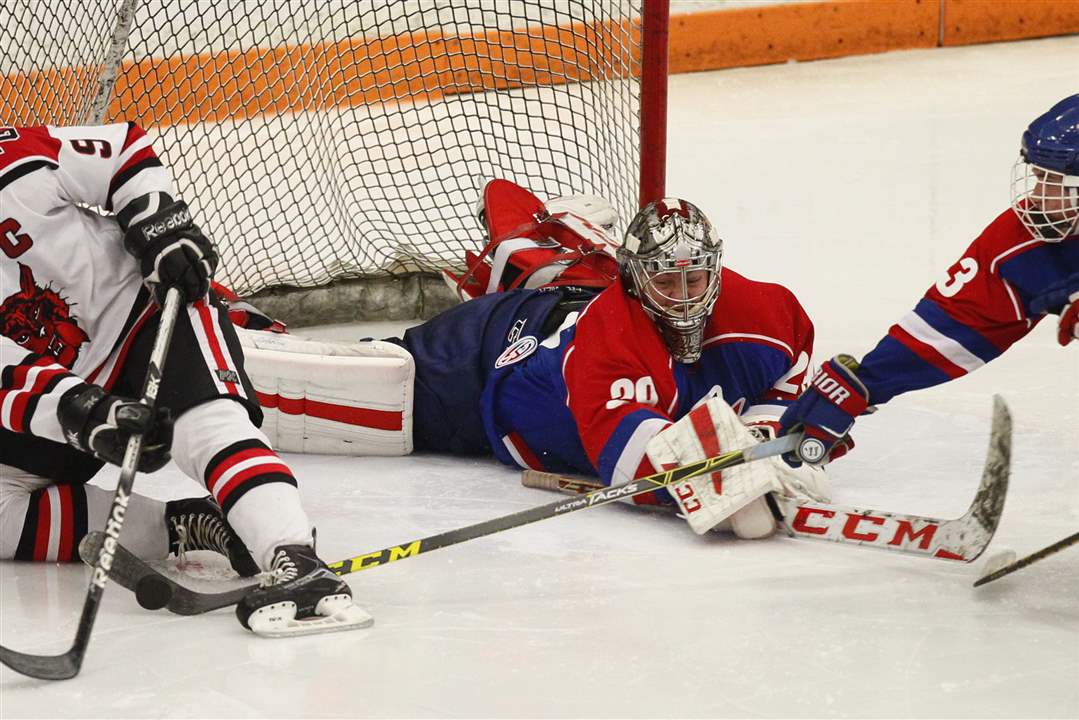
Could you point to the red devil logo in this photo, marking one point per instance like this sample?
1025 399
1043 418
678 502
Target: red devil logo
40 320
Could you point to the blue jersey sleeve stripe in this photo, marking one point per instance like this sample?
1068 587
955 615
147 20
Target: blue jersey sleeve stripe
892 368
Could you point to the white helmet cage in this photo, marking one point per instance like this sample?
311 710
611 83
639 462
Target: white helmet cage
1046 201
671 262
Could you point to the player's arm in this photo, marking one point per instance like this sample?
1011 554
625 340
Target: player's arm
964 321
115 167
43 398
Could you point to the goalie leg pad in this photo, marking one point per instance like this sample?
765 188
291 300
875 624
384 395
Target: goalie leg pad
332 398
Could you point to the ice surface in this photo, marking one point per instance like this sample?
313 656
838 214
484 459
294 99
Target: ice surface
855 182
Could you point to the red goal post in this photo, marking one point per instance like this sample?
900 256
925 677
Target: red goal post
325 142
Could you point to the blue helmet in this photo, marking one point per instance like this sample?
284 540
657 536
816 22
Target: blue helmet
1045 179
1052 140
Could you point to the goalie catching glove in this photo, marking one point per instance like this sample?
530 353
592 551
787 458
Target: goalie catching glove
101 424
171 249
737 493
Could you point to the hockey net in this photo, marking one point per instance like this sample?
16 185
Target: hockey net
323 141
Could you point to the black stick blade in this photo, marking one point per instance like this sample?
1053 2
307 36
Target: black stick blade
42 667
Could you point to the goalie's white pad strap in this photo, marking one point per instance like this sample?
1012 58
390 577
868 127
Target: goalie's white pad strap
332 398
593 208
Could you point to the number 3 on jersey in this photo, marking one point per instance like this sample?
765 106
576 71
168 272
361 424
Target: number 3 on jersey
954 282
624 390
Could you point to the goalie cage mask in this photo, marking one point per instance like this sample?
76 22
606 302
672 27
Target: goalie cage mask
1045 178
670 260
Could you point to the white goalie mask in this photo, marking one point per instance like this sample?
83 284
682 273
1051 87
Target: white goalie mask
670 261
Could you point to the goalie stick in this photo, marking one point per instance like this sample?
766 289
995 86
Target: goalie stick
67 665
963 539
130 571
1006 564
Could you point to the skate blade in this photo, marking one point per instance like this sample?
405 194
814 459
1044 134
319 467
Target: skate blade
335 613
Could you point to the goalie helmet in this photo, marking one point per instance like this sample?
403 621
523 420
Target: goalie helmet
670 261
1045 178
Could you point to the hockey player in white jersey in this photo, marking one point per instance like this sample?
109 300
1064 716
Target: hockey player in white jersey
79 294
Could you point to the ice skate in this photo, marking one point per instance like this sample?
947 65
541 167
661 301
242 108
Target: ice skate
300 596
197 524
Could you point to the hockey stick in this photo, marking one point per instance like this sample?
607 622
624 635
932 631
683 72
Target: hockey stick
67 665
147 582
964 538
1000 566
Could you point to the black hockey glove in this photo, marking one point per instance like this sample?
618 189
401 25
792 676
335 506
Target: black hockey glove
173 252
101 424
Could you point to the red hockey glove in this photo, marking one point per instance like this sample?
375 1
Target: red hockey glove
1068 329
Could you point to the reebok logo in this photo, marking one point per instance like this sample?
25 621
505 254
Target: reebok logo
112 535
178 219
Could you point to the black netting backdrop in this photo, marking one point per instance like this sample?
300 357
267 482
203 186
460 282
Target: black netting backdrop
335 139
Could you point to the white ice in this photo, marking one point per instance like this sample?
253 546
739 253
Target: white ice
855 182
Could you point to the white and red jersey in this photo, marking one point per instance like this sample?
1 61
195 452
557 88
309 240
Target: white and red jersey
67 286
592 395
995 294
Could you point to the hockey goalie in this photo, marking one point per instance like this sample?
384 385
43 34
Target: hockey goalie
572 352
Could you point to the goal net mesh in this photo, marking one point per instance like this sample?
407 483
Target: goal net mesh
317 141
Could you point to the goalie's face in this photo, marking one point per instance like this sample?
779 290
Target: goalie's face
1046 202
679 290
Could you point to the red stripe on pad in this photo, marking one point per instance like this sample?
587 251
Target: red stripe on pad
363 417
706 433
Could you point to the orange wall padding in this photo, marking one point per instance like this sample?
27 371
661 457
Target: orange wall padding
967 22
810 31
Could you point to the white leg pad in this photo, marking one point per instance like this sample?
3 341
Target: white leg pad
332 398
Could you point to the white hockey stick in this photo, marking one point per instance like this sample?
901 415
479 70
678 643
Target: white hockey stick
963 538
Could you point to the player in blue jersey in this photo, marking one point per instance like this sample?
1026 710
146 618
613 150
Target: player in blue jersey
1023 267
